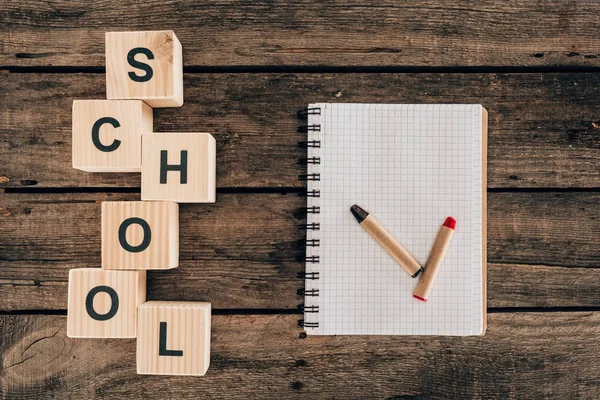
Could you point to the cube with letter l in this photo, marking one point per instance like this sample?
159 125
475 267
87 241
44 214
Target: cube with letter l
173 338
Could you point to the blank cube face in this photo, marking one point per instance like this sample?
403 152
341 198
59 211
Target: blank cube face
140 235
103 304
145 66
179 167
107 134
173 338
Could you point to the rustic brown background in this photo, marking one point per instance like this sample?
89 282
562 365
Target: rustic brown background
250 65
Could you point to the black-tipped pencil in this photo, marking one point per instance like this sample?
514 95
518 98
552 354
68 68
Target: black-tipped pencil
387 241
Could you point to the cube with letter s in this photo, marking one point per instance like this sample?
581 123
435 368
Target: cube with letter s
146 66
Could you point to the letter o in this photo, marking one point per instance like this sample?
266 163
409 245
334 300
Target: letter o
123 231
89 303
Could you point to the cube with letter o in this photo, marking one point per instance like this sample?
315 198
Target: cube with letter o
145 66
140 235
103 304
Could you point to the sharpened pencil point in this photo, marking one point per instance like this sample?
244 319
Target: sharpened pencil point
418 272
359 213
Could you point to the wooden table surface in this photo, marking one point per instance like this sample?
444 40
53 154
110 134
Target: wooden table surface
249 66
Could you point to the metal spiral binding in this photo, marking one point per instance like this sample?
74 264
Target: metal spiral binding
313 193
310 292
313 226
309 111
310 177
311 129
313 242
308 309
308 275
310 143
303 324
310 160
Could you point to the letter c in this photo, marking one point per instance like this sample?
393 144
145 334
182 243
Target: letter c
96 134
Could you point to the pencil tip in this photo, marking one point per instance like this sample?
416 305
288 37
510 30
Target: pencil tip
450 223
418 272
359 213
420 298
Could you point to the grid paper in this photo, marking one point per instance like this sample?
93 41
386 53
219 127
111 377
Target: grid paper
410 166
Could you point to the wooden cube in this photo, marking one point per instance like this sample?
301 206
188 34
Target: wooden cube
140 235
104 304
173 338
107 134
145 66
179 167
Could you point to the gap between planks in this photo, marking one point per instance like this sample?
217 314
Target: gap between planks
302 69
243 311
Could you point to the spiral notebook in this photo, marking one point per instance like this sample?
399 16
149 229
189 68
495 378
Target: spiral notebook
410 166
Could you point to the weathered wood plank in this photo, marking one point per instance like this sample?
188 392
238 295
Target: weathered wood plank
544 129
245 250
316 33
523 355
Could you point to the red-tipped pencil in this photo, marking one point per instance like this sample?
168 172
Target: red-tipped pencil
438 251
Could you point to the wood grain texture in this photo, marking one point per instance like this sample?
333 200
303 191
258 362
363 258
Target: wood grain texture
312 32
544 129
120 137
115 303
154 245
199 168
164 88
523 355
244 251
173 338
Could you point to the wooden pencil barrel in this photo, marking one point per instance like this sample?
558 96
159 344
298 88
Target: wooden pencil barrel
432 266
387 241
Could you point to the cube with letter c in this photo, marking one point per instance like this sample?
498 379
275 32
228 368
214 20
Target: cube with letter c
107 134
140 235
103 304
179 167
145 66
173 338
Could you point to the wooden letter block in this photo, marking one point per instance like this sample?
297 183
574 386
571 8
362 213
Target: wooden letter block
145 66
179 167
140 235
173 338
104 304
107 134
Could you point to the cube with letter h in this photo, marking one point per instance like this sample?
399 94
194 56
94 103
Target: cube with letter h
145 66
173 338
107 134
140 235
179 167
104 304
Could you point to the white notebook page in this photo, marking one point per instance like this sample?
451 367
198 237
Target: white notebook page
410 166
